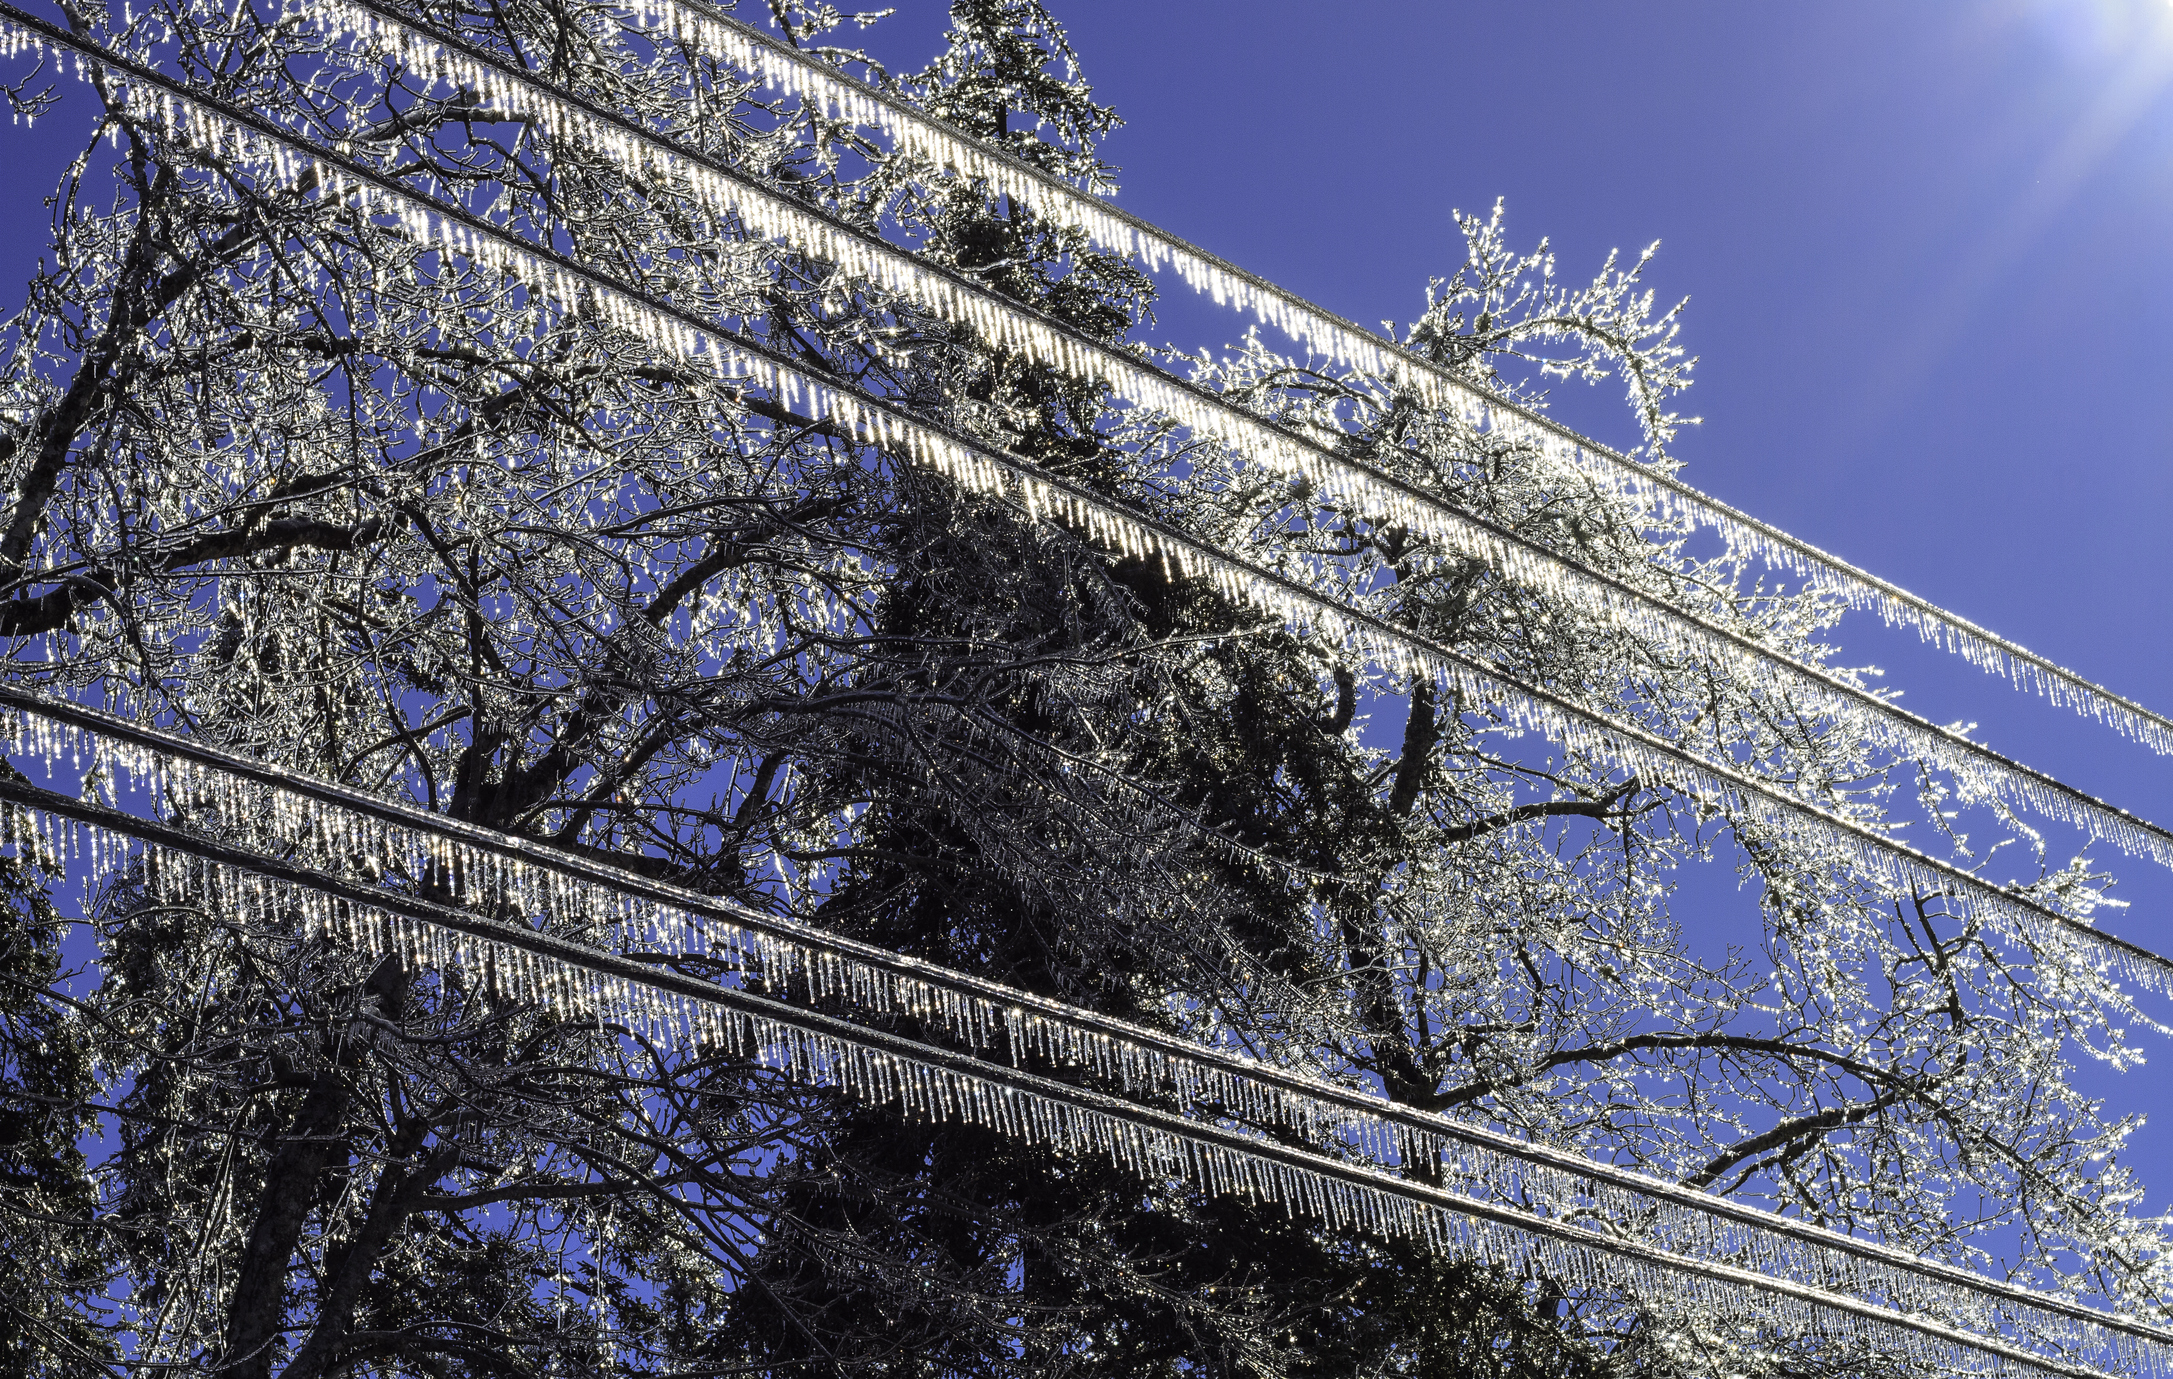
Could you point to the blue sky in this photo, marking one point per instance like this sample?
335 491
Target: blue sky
1926 243
1928 247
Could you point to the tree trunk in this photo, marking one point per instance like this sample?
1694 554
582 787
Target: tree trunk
258 1308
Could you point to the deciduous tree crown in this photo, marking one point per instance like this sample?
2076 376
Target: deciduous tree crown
289 474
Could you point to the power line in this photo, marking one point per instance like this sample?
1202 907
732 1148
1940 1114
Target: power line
941 1083
982 1012
1032 332
990 471
921 134
1049 483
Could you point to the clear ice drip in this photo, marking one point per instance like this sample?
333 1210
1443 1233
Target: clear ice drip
1736 1278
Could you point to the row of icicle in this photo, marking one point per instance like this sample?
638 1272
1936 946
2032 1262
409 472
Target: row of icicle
719 189
1848 1290
323 827
821 86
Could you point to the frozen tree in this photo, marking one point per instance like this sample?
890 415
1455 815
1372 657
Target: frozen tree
297 479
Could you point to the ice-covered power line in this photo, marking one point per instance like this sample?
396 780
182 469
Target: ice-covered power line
298 163
1797 1276
706 333
506 88
335 829
921 135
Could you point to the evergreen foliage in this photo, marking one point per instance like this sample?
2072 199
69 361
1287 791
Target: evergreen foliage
298 480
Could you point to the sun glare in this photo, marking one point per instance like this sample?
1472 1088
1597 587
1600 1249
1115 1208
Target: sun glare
2101 30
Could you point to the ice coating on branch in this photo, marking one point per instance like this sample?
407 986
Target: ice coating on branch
1633 750
641 320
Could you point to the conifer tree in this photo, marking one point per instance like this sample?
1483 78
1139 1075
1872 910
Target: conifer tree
299 479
